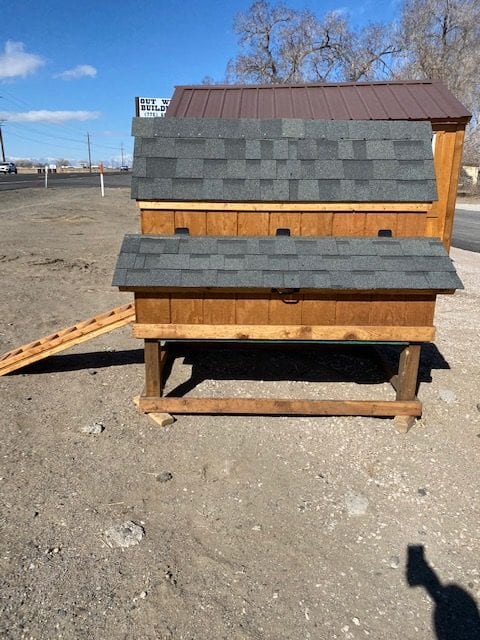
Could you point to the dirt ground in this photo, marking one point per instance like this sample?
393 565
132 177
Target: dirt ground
255 528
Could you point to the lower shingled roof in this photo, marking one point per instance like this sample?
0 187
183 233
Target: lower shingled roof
284 262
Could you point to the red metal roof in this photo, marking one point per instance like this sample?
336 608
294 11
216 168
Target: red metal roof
405 100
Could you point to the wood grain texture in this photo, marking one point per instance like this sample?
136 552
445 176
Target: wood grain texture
219 309
252 308
376 221
283 206
194 221
153 363
261 406
318 311
348 224
289 332
221 224
406 382
349 310
452 189
157 222
389 310
285 309
411 224
66 338
316 224
252 224
280 220
149 306
186 310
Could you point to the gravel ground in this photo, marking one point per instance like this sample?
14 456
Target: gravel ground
221 527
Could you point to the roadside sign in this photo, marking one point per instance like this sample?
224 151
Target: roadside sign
151 107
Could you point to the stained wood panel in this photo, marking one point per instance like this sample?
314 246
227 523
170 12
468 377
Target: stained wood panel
447 161
157 222
183 307
282 312
148 307
316 224
252 224
419 312
219 309
351 310
414 310
348 224
289 221
194 221
411 224
432 228
221 224
374 222
318 311
322 223
271 309
282 332
251 309
452 192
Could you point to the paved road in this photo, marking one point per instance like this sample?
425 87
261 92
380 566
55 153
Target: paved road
28 180
466 227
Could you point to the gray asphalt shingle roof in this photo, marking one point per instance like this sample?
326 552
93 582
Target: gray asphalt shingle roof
284 261
282 160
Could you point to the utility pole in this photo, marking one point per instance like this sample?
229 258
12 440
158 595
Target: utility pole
1 142
121 149
89 154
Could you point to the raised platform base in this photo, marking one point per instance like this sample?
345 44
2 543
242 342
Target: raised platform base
405 408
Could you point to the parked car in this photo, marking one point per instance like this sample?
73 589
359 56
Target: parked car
8 167
124 167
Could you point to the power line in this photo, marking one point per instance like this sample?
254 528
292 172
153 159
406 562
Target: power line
42 142
19 102
36 131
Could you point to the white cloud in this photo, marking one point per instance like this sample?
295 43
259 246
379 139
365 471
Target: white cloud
15 61
80 71
54 117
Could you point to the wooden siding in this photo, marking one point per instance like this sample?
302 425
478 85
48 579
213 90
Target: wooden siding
447 161
268 308
301 223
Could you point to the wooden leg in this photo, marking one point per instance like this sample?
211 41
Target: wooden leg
153 365
403 424
405 383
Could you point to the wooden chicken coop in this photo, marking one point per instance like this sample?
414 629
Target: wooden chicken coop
310 213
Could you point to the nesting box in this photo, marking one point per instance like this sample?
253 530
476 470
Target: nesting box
287 228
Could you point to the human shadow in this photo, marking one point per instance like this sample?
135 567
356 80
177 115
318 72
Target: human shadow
456 615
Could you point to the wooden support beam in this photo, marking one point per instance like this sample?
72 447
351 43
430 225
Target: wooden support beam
284 206
262 406
153 368
406 383
282 332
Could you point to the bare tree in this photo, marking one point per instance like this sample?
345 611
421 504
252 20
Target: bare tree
441 41
281 45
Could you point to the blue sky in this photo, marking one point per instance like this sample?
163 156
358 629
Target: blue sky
68 68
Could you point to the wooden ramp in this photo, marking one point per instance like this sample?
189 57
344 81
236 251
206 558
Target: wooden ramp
66 338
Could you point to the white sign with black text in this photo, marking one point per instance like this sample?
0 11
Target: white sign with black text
152 107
